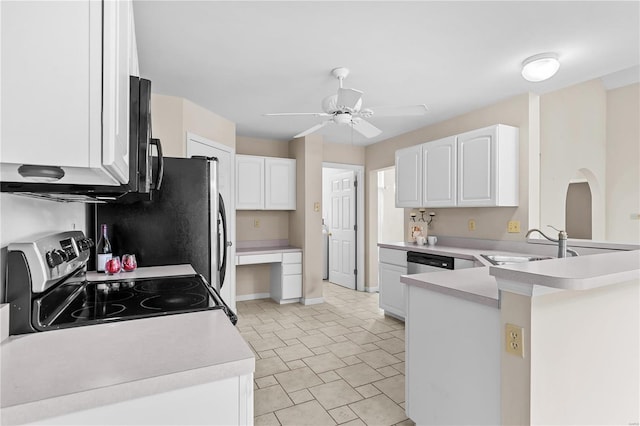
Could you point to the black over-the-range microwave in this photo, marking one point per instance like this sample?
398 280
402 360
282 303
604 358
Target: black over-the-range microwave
143 177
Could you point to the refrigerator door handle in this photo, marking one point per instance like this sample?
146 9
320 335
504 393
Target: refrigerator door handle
225 242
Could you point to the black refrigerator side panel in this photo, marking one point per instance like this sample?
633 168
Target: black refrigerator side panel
174 228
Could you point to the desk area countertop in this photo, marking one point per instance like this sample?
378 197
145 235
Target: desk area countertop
266 250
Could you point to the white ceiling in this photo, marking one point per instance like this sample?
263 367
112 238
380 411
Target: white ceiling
243 59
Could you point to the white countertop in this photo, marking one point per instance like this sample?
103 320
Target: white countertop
144 272
55 372
266 250
575 273
480 285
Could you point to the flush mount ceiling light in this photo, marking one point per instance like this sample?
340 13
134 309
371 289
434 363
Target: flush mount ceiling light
540 67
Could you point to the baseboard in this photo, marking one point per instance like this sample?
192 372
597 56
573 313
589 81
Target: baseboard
255 296
371 289
314 301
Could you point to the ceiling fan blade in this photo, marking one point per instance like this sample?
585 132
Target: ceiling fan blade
312 129
365 128
350 99
288 114
397 111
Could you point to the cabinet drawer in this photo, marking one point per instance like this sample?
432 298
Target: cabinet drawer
393 257
295 257
291 268
259 258
291 286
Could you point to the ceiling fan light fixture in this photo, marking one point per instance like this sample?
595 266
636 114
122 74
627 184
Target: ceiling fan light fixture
540 67
342 118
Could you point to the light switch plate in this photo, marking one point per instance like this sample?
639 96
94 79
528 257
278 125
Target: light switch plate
513 227
472 225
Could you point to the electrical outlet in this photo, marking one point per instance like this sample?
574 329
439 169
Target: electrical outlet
256 223
472 225
513 339
513 227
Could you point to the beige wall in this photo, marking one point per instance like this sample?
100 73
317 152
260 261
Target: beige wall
173 117
262 147
305 225
343 153
623 164
573 145
491 223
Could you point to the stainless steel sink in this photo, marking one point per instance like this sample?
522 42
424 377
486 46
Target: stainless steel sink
504 259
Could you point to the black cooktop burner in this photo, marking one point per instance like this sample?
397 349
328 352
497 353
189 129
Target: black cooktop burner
97 302
171 301
102 310
156 287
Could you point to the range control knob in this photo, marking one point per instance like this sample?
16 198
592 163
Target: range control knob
85 244
55 258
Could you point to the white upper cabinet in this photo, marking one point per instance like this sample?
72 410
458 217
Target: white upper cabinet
409 177
439 173
249 182
473 169
265 183
61 96
280 184
488 167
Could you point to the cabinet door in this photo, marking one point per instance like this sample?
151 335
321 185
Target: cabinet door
409 177
392 291
51 86
439 173
280 184
249 182
476 168
117 45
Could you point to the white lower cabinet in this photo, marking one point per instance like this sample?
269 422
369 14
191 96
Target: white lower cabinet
392 264
452 360
223 402
286 278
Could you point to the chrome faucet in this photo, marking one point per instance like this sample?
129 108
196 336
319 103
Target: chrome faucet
561 240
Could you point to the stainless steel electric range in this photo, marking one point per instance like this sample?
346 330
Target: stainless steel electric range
48 288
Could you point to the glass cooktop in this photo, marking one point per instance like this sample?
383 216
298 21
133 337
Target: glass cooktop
86 303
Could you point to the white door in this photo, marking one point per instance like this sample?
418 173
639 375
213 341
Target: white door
342 220
225 155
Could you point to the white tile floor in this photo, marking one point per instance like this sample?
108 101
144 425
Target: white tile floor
340 362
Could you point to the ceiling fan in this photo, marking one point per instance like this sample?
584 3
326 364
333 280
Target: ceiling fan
345 107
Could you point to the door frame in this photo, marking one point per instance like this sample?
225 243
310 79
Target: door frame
360 249
230 205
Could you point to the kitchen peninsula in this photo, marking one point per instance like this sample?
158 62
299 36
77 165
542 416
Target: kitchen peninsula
579 323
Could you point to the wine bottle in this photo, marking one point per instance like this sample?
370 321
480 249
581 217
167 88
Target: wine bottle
103 249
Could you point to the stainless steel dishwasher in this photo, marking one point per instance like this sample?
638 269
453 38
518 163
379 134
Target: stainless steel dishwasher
418 263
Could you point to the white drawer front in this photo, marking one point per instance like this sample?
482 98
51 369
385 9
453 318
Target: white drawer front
394 257
259 258
292 257
291 268
291 286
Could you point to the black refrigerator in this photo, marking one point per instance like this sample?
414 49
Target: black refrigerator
183 222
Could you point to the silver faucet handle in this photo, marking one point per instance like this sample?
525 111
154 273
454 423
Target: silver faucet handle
562 235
